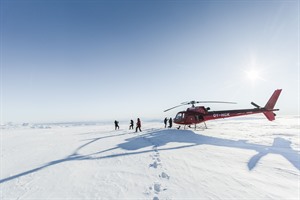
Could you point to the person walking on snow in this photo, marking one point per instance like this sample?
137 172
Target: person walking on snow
138 125
131 124
116 125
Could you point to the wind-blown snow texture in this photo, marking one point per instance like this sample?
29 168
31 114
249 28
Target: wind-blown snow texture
241 158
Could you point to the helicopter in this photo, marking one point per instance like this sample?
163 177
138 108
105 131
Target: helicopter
198 114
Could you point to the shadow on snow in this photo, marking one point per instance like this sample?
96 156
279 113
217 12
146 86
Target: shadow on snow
159 138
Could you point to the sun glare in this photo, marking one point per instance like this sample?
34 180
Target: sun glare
253 75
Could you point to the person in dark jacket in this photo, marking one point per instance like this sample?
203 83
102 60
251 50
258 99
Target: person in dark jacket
166 121
131 124
170 122
116 125
138 125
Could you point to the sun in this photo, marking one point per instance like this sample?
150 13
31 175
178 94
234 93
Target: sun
253 74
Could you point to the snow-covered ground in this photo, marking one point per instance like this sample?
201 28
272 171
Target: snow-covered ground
238 158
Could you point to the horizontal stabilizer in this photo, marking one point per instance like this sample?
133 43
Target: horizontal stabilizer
255 105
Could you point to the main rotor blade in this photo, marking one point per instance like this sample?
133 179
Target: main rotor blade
216 102
172 108
194 102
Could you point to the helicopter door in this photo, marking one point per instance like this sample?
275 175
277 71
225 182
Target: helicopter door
199 118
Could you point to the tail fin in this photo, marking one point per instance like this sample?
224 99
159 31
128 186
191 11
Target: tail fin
270 105
270 115
272 101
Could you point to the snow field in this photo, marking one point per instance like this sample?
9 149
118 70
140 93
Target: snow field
241 158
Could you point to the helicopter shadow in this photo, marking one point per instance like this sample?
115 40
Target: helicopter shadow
75 156
160 138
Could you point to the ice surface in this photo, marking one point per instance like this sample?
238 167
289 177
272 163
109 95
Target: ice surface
239 158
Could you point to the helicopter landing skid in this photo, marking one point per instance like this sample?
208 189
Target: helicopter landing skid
195 127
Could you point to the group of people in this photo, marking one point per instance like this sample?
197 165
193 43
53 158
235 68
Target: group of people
138 125
170 122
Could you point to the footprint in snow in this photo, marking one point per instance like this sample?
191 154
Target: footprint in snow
154 165
157 187
155 149
164 175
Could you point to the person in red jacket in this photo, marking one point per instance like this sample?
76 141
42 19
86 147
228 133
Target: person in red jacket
138 125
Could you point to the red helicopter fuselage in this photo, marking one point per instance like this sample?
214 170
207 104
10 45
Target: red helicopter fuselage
198 114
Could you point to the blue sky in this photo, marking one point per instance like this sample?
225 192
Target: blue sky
104 60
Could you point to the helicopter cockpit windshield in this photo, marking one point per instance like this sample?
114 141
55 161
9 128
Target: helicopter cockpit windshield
179 116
